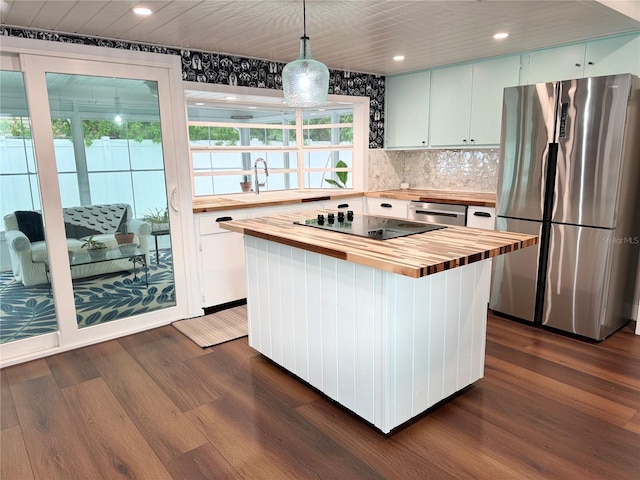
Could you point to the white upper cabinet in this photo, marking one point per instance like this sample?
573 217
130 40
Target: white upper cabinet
451 105
466 101
461 105
407 112
612 56
489 80
591 59
560 63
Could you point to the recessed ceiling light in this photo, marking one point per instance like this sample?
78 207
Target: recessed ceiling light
398 58
199 104
252 107
501 35
142 11
230 98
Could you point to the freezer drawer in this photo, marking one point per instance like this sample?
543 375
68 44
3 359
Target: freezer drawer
514 275
577 280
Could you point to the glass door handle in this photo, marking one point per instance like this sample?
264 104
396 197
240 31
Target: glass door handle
173 199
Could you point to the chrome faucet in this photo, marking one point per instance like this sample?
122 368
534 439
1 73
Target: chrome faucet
255 170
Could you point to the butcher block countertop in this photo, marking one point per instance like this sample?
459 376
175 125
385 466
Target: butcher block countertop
415 256
475 199
278 197
216 203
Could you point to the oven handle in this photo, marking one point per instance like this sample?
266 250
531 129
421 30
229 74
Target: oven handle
439 213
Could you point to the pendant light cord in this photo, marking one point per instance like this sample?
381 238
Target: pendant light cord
304 18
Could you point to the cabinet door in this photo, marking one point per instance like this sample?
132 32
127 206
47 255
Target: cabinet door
450 105
407 110
560 63
489 80
388 207
612 56
481 217
224 277
221 259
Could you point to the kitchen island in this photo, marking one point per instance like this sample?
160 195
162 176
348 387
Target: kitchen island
385 328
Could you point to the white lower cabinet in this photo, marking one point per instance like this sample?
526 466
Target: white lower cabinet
221 254
387 207
221 259
481 217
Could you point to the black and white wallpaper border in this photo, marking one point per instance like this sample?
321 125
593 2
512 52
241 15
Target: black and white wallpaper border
208 67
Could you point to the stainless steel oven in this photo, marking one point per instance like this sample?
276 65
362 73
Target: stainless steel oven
446 213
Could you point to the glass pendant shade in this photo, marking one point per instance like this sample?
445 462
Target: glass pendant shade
305 81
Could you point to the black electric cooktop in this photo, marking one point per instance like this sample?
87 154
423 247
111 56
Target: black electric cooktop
379 228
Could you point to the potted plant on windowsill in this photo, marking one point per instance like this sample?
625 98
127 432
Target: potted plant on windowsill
123 236
342 176
246 185
159 219
97 250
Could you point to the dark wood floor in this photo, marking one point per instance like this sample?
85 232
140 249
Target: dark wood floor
154 406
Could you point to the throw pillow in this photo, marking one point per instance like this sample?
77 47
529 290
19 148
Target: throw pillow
30 223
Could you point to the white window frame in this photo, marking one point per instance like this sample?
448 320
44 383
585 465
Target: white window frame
360 126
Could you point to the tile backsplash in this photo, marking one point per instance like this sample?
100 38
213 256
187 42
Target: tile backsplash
461 170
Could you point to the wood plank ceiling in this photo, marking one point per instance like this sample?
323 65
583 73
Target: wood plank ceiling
355 35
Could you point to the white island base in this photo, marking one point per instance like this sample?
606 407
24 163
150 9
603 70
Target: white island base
383 345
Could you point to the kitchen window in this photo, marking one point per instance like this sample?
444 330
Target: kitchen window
303 148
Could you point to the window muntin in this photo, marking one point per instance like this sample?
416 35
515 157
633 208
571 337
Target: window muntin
225 143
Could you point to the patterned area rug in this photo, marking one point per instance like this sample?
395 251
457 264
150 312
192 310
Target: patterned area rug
29 311
216 328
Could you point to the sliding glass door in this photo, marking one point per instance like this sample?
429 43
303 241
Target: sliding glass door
26 307
108 145
104 147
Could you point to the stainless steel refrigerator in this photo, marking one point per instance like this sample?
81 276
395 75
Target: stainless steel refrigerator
570 173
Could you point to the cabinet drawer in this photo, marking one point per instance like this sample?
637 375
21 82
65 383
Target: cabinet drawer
352 203
210 223
388 207
481 217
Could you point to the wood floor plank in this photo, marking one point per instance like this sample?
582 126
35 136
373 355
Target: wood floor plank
387 455
203 463
444 443
633 425
287 387
603 363
621 394
507 448
623 342
161 422
186 389
71 368
575 398
254 410
28 371
8 415
241 441
549 407
119 449
176 346
54 443
237 353
14 460
573 436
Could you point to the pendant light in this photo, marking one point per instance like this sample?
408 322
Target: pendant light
118 116
305 81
